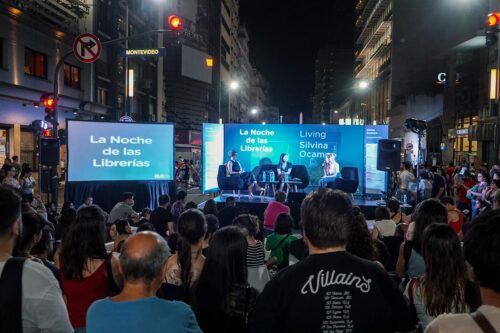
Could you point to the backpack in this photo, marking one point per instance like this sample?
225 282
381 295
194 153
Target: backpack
11 295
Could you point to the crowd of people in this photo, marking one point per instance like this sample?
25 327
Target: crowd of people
180 268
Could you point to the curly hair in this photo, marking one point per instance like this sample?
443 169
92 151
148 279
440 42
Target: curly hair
360 242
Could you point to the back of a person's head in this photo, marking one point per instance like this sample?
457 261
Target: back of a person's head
427 212
326 215
164 200
360 242
44 245
212 224
123 226
146 227
83 239
147 264
10 208
247 224
230 201
447 201
445 270
32 225
393 205
127 195
482 246
210 207
181 195
283 224
280 196
382 213
225 266
68 216
423 174
407 165
191 205
192 225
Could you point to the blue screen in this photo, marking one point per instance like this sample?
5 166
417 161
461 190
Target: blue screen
305 145
100 151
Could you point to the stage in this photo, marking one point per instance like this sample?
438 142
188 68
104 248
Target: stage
257 205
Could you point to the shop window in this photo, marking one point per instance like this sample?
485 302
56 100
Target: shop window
71 75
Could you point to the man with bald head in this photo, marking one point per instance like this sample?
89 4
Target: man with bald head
137 309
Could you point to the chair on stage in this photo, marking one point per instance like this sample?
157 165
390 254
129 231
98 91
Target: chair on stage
232 183
348 183
300 172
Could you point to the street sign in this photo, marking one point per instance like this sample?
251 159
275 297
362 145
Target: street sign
87 48
159 52
126 119
409 146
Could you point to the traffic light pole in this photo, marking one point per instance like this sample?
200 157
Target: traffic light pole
496 143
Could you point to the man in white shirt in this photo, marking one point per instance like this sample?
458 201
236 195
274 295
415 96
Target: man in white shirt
481 248
406 177
42 305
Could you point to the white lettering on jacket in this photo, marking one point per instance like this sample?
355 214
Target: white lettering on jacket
325 278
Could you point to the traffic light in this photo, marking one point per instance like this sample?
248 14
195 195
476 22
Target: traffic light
47 133
492 30
50 104
175 22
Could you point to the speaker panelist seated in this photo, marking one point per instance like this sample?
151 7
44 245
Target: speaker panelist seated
331 169
234 168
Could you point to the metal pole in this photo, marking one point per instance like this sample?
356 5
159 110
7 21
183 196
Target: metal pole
127 102
496 143
229 106
159 71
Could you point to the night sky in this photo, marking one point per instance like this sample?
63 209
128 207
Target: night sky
285 37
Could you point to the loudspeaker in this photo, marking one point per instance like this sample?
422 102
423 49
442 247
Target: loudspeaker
49 151
389 155
45 180
296 197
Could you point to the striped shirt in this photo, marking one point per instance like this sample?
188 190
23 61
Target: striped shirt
255 254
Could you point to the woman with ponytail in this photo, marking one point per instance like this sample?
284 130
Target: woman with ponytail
184 267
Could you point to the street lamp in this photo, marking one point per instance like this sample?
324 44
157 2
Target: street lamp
254 111
363 84
234 85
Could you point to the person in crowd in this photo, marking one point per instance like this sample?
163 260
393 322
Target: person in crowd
462 186
136 308
179 205
476 192
88 272
455 216
42 307
162 218
384 226
273 209
184 267
16 165
52 213
495 170
36 203
445 287
301 298
68 217
228 213
424 186
44 249
190 205
331 169
279 242
496 201
27 182
406 177
146 226
145 216
284 168
234 168
491 191
67 205
410 261
10 178
481 248
222 297
255 254
7 163
123 231
360 242
438 183
395 211
212 227
210 207
88 201
123 209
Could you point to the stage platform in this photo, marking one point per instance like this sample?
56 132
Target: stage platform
257 205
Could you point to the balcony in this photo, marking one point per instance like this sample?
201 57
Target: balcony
375 36
61 14
373 20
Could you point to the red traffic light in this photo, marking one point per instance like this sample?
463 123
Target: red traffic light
47 133
175 22
48 101
493 19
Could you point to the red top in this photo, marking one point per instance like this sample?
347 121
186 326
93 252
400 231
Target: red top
456 224
462 190
274 209
80 294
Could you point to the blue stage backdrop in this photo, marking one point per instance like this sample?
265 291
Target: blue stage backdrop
258 144
105 151
212 155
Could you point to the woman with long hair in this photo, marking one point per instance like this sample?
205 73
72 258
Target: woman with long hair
234 168
222 299
360 242
331 169
284 169
410 261
446 286
184 267
88 272
27 181
68 217
210 207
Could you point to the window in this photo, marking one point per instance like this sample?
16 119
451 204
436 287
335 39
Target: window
102 13
102 95
35 63
71 76
226 26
